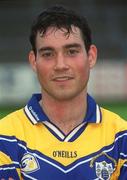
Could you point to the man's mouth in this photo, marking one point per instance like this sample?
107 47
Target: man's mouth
62 78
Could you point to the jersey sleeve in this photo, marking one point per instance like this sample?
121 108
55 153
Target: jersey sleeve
123 171
121 141
9 160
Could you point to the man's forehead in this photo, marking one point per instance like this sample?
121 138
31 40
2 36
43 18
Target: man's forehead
75 31
59 38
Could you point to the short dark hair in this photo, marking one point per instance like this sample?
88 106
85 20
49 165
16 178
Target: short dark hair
60 17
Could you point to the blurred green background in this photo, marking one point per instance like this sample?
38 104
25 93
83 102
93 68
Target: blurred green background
119 108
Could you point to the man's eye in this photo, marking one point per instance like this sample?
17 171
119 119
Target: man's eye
72 52
47 54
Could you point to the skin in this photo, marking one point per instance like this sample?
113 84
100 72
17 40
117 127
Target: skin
63 66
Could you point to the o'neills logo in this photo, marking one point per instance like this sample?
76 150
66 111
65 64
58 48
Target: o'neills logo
65 154
33 113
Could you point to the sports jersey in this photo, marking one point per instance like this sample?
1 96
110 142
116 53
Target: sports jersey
32 147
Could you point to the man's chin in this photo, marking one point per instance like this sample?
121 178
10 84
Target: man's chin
65 96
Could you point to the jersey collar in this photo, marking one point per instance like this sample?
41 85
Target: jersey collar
36 114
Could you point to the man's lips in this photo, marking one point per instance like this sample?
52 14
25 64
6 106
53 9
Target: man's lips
62 78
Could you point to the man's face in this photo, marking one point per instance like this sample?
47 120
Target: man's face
62 63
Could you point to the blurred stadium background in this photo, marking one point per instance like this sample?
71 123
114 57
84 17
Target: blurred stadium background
107 19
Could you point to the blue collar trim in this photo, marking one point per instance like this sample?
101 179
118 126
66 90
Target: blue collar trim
36 114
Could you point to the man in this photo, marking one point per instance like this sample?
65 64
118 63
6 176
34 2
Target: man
62 134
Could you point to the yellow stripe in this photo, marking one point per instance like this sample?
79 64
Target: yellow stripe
116 173
4 159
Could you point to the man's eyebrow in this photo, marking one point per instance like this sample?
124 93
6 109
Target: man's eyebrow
47 48
76 45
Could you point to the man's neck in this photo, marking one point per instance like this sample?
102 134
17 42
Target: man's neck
65 114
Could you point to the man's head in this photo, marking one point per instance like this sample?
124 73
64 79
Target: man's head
60 18
62 54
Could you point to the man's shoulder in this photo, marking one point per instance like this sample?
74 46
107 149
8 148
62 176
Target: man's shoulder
110 117
12 119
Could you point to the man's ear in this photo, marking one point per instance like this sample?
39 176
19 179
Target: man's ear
92 55
32 60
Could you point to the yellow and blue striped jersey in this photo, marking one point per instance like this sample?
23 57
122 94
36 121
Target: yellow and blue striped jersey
32 147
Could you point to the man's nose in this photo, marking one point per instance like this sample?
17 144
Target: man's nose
61 63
